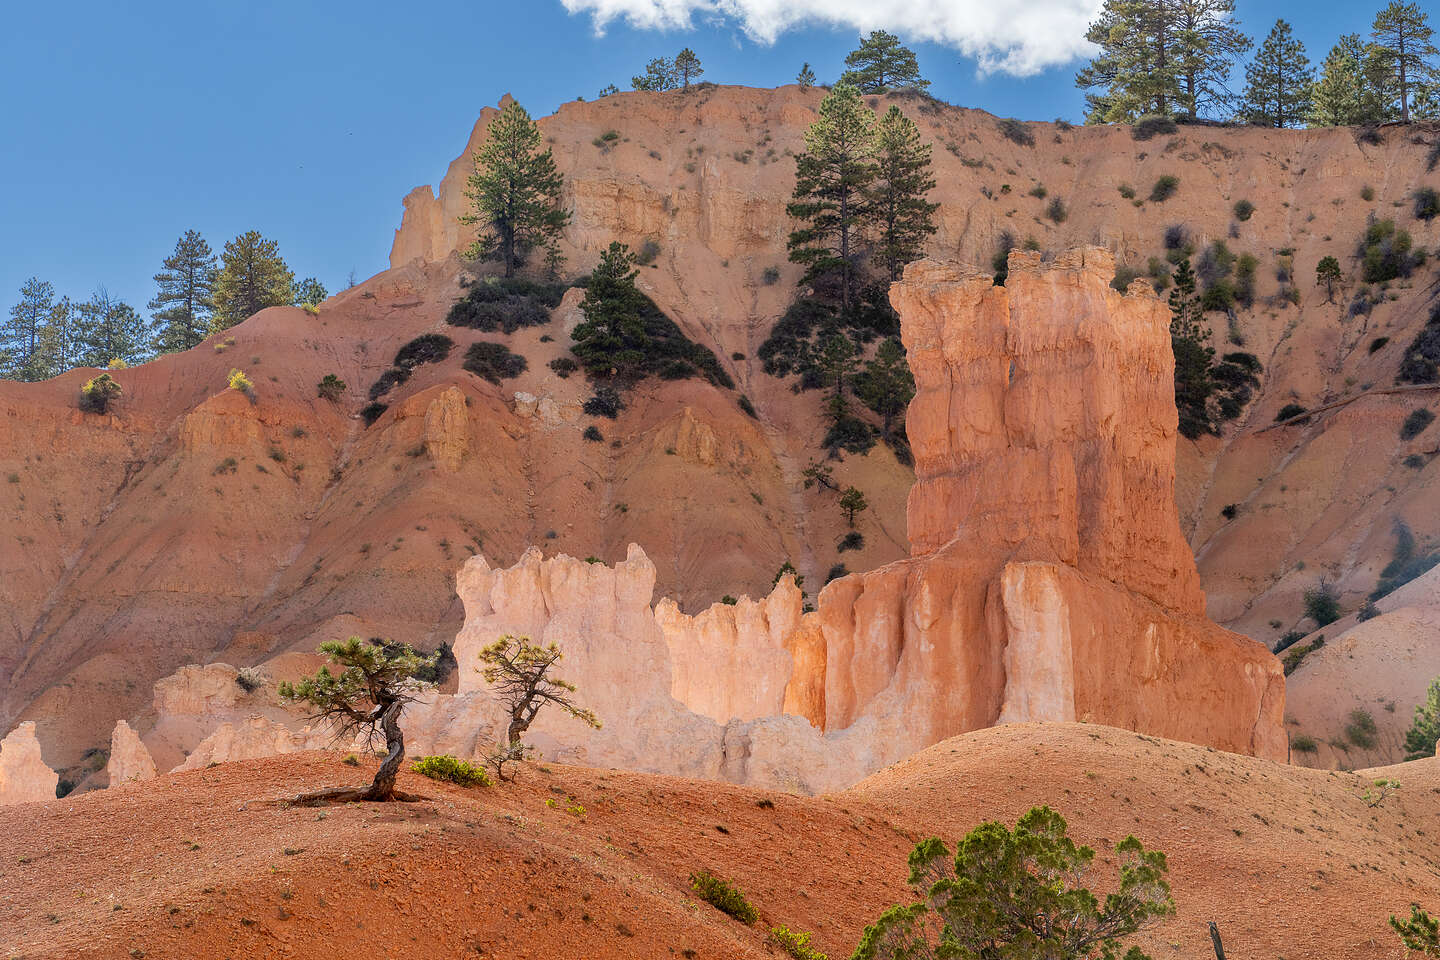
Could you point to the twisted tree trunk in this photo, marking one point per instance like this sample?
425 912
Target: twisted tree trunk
383 786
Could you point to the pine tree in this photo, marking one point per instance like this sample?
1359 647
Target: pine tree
886 385
1403 35
832 179
902 216
1327 272
58 347
252 277
687 67
1137 70
20 336
659 76
1210 41
806 77
309 293
1278 80
186 294
109 329
611 340
1189 341
837 361
515 190
1425 731
853 501
882 63
1336 100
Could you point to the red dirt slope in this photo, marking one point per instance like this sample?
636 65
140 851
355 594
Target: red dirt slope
1290 862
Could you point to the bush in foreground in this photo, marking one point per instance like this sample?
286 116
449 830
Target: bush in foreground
451 770
1019 894
723 896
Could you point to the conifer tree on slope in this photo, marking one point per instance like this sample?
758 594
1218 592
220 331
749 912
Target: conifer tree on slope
185 296
687 67
1402 33
882 63
20 336
1355 86
58 347
107 329
902 217
832 179
1278 80
515 190
1210 43
252 277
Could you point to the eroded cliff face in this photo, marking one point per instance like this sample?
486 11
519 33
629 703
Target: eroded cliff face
1050 579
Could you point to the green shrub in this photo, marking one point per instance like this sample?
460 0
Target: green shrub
1367 193
854 540
1152 125
238 381
493 361
1244 210
330 388
1421 363
1016 132
427 348
1124 276
1057 211
647 253
836 572
1229 511
1126 191
771 276
795 944
1414 461
593 434
1386 253
1289 640
1290 410
1039 192
1164 188
1361 729
1415 423
451 770
606 403
1427 204
371 412
98 393
1322 604
723 896
747 407
506 305
1378 343
1304 743
1405 563
564 366
388 381
1420 739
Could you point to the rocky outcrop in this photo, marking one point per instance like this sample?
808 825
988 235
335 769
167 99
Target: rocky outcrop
248 739
24 777
129 758
1049 578
447 430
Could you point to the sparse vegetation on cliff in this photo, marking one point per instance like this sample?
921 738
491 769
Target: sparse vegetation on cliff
1420 739
519 673
98 393
330 388
723 896
493 361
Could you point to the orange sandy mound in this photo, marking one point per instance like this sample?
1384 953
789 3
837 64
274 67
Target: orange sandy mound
1289 861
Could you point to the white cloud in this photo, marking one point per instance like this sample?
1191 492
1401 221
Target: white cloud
1019 37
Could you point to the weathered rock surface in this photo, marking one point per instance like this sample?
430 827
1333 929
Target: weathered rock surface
24 777
129 758
1050 580
247 739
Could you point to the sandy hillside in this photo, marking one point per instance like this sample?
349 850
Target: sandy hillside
1290 862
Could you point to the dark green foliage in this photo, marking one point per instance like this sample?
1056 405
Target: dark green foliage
428 348
1327 272
1414 461
1425 730
1405 562
1000 263
1415 423
606 403
1124 276
1244 209
330 388
1149 127
1164 188
1016 131
1289 640
1420 933
1020 894
881 64
1421 363
185 295
836 572
1304 743
1367 611
1229 511
371 412
97 394
451 770
1361 730
1207 393
886 386
1057 211
647 253
1378 343
493 361
388 381
1322 604
564 366
770 276
593 434
902 219
1278 81
854 540
723 896
850 434
1289 412
1386 253
625 337
748 407
308 293
1176 237
852 502
505 304
1292 660
1427 203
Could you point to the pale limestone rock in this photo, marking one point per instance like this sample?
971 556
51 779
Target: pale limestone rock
24 777
447 430
129 758
251 738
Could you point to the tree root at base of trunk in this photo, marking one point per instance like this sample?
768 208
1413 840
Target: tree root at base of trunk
334 795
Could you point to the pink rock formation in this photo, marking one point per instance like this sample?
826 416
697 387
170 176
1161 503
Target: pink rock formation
129 759
24 777
248 739
1049 578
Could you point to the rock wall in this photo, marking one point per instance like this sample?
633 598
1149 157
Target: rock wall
1049 578
24 777
129 758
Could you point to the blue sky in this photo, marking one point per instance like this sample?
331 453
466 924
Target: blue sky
309 121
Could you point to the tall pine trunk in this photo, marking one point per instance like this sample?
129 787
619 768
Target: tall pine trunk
383 786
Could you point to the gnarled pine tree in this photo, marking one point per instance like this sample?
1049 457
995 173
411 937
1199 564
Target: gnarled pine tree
519 672
367 696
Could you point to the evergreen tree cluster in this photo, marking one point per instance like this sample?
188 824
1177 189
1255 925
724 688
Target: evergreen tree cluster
1174 58
196 295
